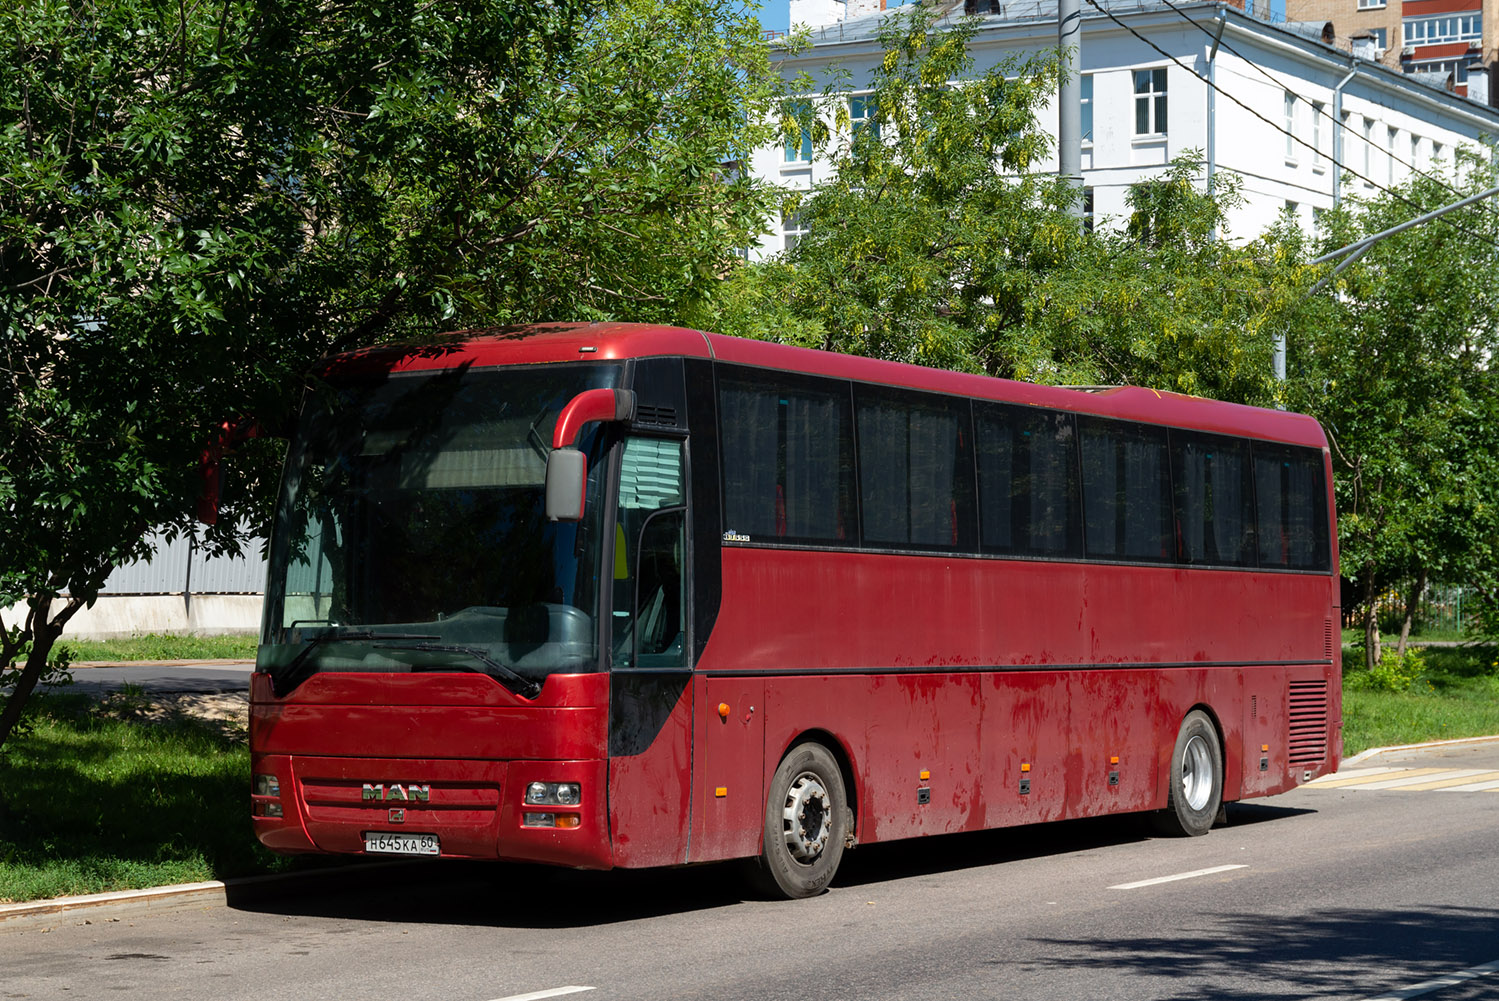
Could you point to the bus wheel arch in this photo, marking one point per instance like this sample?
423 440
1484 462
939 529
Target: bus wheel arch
1195 779
809 819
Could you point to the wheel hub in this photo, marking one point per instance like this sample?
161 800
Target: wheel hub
807 817
1197 773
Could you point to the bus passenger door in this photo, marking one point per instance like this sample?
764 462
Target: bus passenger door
650 697
730 772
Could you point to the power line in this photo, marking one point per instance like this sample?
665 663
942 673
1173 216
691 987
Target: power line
1280 128
1316 110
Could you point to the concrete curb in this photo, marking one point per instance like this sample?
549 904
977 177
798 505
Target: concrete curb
121 903
247 891
1374 752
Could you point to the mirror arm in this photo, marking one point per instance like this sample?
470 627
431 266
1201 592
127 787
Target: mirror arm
588 406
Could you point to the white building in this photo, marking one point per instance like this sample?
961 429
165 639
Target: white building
1265 105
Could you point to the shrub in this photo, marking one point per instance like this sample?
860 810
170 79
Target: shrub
1394 673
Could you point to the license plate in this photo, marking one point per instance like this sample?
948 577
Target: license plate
386 843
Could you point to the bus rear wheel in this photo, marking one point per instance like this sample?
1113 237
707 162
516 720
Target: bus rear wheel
806 824
1196 791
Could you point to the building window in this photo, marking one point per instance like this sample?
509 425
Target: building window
1368 149
1436 153
1319 111
793 228
1085 87
861 115
1370 4
1442 29
1457 67
1290 102
1150 102
1392 136
1415 151
799 143
1088 209
1380 40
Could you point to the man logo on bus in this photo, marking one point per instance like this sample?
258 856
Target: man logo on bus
381 791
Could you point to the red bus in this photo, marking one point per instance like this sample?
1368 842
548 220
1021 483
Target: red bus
627 595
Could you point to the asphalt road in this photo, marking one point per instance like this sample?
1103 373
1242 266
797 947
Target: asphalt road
1336 892
161 679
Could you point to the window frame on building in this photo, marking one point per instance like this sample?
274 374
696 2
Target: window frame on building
1151 100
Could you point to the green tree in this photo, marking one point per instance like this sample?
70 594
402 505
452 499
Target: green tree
196 201
1399 370
1166 300
931 227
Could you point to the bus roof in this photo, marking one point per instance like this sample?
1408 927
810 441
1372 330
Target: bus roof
560 342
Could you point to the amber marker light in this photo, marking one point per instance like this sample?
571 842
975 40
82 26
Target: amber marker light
1264 748
1025 766
721 792
723 710
567 820
1114 760
925 775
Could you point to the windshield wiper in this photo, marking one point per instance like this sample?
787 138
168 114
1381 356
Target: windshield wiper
517 682
300 668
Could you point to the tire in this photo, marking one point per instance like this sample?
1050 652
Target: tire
1196 790
807 822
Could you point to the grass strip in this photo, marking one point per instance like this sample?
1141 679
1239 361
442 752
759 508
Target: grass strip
155 646
1443 694
94 803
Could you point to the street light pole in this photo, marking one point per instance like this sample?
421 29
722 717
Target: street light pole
1069 102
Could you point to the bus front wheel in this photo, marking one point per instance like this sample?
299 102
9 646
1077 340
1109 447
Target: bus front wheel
806 824
1196 791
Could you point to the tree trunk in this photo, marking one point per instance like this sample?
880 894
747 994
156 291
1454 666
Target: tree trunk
1417 586
1371 626
42 631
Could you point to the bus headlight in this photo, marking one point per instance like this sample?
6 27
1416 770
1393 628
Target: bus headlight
267 785
554 794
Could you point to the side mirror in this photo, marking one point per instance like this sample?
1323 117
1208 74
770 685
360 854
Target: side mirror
567 466
567 483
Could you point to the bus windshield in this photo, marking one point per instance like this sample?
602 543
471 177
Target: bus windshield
411 532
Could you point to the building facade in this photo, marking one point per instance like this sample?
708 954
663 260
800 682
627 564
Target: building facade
1444 38
1274 105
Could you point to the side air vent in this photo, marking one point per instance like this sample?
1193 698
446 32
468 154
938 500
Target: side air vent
1308 722
663 416
1327 639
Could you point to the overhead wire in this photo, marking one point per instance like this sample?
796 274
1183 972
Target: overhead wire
1282 129
1316 110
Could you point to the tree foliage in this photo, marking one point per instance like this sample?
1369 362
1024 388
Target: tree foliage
931 228
1398 367
196 201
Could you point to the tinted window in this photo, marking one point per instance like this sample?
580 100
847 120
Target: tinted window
1126 491
1214 499
1291 498
915 470
787 458
1028 490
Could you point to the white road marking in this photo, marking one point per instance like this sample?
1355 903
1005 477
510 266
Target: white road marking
1416 990
1472 787
1396 783
1357 773
555 992
1180 875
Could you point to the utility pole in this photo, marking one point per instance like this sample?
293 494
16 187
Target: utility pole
1069 101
